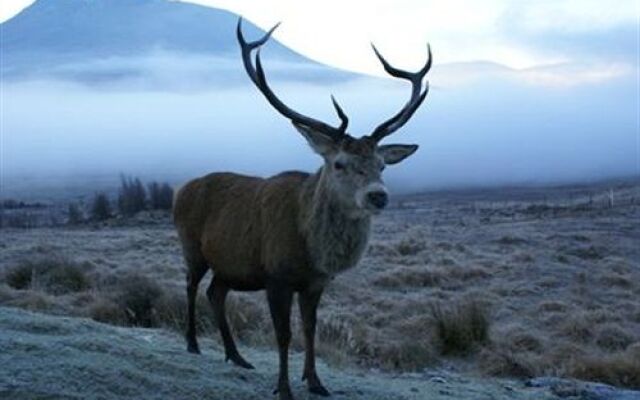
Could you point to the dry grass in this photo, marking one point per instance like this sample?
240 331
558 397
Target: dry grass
613 337
138 296
426 276
55 275
460 328
503 362
410 246
135 300
619 368
107 311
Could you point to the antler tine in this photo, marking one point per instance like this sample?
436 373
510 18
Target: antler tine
416 99
247 47
258 77
341 114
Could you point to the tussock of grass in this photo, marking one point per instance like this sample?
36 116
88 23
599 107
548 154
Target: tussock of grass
616 279
577 327
511 240
410 246
552 306
170 310
344 332
135 300
613 337
138 297
619 369
410 276
504 362
587 253
54 274
424 276
245 317
407 355
523 340
107 311
460 328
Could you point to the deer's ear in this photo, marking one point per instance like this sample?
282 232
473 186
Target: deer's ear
319 142
394 153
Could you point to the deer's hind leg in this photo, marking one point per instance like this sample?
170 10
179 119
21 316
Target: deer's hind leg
196 269
217 294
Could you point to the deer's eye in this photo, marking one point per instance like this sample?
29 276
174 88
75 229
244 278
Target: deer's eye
382 168
338 166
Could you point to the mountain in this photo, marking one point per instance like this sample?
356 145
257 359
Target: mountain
94 41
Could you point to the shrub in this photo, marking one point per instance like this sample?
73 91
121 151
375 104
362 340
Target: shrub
461 327
75 216
100 207
132 197
160 196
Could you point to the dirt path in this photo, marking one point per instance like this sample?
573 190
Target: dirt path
46 357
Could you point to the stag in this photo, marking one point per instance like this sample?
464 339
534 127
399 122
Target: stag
293 232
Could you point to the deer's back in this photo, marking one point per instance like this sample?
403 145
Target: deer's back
245 227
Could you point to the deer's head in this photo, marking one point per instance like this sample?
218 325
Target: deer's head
353 166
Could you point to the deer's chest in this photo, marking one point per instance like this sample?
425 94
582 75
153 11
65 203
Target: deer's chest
338 245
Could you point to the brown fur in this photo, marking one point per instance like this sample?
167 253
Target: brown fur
246 228
288 233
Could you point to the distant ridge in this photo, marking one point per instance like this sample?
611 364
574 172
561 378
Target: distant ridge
52 38
123 27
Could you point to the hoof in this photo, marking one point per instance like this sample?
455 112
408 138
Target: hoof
193 348
239 361
314 384
284 394
319 390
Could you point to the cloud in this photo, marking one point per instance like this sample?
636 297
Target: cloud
522 34
566 75
559 75
9 8
165 71
572 16
491 130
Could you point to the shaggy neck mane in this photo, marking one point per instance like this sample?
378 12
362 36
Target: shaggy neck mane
336 236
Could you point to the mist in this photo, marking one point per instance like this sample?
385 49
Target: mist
180 118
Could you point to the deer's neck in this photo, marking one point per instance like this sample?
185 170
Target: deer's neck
336 235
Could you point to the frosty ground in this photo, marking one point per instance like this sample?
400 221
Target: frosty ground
554 272
70 358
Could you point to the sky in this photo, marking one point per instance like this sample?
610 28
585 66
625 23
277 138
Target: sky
514 33
522 92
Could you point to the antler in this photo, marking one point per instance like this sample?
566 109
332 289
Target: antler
258 77
417 96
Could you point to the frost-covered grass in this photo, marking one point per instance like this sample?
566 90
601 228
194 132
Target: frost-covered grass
506 282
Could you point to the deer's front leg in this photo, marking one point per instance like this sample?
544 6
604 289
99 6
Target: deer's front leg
279 296
308 301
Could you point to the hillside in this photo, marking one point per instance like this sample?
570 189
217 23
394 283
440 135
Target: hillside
108 40
71 358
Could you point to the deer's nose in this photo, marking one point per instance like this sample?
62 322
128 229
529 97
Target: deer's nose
378 199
